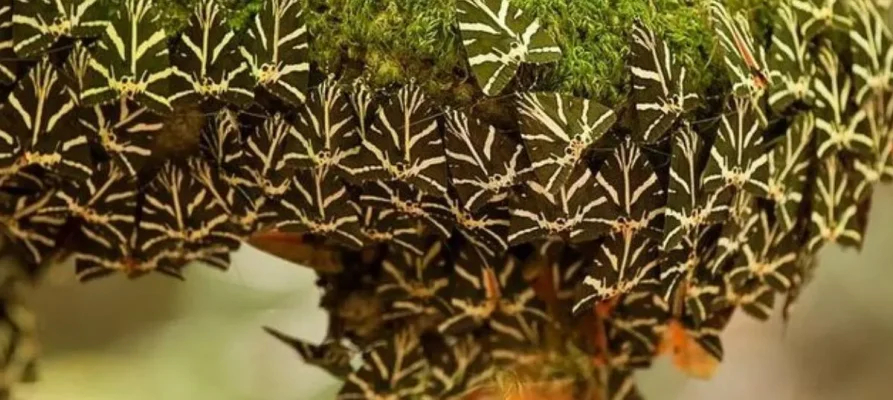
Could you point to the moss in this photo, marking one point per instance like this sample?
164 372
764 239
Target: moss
393 39
390 41
175 14
595 37
759 13
387 40
238 12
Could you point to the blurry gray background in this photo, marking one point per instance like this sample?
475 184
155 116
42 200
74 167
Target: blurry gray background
158 338
163 339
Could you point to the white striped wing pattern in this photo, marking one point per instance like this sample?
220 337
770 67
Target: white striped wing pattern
767 259
206 63
628 182
636 325
404 144
498 37
706 333
413 284
8 65
838 123
270 161
570 214
107 239
365 102
789 164
276 50
872 46
879 167
104 205
558 131
492 292
74 70
388 225
131 60
432 212
94 261
622 261
224 174
688 207
326 129
180 216
835 210
752 297
458 368
396 369
486 228
659 89
318 203
221 140
248 213
484 163
473 294
790 61
37 127
39 24
737 159
681 267
735 234
123 130
821 16
743 57
702 298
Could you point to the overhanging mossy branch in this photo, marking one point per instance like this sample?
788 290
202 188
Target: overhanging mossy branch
389 41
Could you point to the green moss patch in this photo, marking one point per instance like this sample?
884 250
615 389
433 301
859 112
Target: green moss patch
391 41
418 38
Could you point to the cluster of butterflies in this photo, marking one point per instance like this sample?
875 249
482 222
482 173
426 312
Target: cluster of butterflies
461 245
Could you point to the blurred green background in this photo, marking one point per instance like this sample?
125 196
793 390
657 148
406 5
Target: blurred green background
158 338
